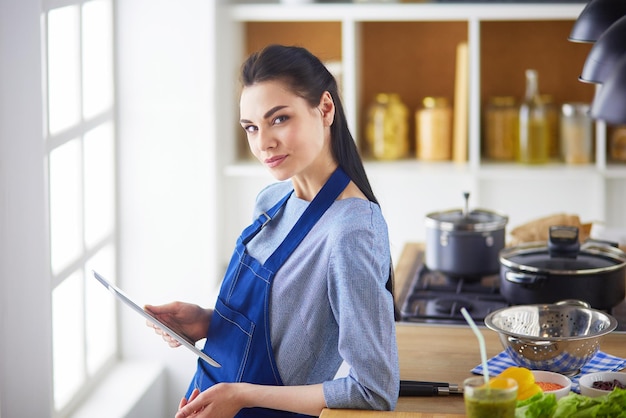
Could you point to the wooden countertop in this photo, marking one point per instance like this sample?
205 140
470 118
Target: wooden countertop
345 413
443 353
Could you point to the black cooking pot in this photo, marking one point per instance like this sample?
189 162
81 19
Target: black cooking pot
562 268
464 243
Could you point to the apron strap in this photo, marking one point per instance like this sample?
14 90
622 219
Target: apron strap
263 219
318 206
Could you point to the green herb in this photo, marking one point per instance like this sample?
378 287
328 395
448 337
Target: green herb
612 405
539 405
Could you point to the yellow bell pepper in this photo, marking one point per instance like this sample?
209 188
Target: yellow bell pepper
526 386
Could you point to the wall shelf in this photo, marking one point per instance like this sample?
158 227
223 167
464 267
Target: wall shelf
409 48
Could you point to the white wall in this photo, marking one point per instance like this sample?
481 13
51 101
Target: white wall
167 180
167 174
25 350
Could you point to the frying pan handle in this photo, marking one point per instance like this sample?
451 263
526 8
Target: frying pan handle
413 388
523 278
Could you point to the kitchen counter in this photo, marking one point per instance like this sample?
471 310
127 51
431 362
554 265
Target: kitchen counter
344 413
443 353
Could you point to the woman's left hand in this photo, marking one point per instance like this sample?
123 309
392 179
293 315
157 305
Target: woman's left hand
225 400
218 401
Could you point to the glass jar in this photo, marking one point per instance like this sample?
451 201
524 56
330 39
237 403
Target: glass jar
576 133
534 124
387 130
617 144
433 127
501 128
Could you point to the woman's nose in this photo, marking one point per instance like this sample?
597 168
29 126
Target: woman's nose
265 140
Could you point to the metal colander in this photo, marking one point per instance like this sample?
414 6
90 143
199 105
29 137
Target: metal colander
560 337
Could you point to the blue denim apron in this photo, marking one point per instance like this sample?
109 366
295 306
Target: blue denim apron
239 334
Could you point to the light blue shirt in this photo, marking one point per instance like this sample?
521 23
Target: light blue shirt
329 303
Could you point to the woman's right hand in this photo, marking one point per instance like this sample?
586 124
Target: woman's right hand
191 321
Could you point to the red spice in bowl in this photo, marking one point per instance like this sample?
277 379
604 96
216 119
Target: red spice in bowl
551 382
549 386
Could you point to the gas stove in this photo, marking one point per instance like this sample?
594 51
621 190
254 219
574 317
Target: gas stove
433 297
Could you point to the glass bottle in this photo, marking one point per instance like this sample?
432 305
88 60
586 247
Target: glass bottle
387 130
433 125
501 128
552 113
534 125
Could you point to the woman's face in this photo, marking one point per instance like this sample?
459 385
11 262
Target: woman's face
284 133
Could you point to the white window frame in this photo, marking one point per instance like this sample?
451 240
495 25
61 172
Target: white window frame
52 142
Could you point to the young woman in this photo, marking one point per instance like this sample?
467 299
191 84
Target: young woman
309 284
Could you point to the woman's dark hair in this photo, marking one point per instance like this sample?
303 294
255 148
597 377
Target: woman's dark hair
307 77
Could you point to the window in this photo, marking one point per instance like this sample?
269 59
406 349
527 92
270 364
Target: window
80 158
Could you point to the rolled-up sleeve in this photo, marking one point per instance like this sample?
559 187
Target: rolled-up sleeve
363 308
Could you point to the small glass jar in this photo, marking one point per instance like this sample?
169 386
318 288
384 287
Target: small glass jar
501 128
387 130
617 144
433 125
576 133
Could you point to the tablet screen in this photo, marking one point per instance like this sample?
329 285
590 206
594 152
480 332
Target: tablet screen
134 306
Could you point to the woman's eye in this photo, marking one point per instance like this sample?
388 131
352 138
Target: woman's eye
250 128
280 119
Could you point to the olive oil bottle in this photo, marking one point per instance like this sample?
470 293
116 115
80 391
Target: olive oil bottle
534 124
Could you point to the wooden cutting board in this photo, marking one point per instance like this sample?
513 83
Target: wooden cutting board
346 413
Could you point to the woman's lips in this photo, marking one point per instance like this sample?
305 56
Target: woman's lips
275 161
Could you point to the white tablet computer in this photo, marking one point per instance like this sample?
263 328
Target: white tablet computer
182 340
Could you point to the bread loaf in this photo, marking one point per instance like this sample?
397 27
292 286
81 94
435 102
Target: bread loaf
539 229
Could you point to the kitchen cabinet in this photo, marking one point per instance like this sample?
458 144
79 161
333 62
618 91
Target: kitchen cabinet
410 49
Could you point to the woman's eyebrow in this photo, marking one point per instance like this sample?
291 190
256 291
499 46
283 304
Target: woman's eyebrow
267 114
273 110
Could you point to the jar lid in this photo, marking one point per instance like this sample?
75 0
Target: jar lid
459 220
432 102
502 100
572 109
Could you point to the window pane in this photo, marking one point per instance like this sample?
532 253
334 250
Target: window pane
63 68
67 338
97 57
100 311
99 183
65 205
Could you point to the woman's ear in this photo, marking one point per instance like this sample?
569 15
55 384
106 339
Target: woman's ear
327 108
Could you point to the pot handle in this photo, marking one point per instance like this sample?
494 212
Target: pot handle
525 279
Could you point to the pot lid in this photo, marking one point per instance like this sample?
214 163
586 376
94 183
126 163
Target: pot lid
590 259
459 220
466 220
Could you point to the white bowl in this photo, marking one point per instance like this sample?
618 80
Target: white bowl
586 382
552 377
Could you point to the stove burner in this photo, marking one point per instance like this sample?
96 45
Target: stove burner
436 297
452 306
